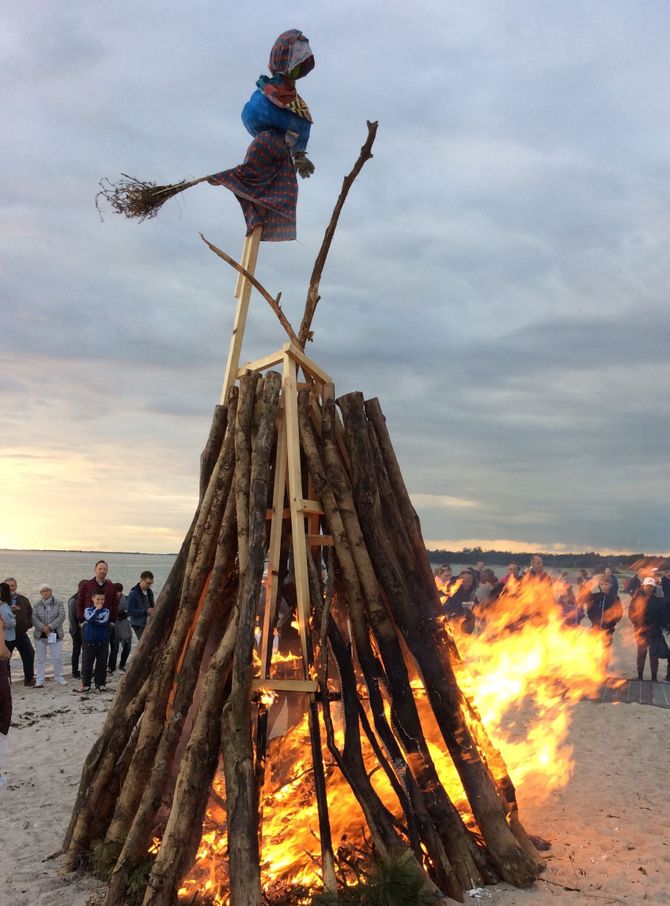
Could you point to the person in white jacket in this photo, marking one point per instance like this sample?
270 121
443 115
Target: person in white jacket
48 620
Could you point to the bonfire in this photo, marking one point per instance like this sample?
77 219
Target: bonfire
299 724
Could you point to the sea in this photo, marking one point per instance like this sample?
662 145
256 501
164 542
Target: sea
63 570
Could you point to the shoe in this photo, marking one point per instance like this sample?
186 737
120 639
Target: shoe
111 672
29 682
38 686
76 675
122 669
654 679
82 689
100 688
61 681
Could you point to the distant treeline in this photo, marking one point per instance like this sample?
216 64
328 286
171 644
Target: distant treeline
590 560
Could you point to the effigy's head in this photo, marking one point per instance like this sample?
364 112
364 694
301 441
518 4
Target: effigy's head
291 55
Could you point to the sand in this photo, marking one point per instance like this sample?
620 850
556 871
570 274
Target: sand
607 828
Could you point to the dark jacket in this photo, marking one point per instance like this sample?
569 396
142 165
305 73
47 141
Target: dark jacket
24 616
138 604
648 616
453 607
85 598
604 610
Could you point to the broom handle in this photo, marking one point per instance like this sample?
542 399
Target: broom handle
243 294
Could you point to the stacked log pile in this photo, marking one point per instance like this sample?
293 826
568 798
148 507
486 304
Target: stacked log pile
186 703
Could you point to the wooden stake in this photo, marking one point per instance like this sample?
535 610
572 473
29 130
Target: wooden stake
242 294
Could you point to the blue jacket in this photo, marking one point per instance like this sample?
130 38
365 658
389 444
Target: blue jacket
96 625
261 115
138 605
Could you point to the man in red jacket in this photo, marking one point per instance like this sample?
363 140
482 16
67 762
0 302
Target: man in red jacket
99 582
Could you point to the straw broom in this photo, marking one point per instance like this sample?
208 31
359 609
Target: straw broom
139 200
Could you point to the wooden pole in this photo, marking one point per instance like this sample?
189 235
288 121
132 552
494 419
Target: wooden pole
242 294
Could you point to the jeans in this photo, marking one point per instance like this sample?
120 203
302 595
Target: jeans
25 648
94 663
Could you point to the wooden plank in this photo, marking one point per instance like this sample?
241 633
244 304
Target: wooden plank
285 514
316 540
296 505
285 685
307 364
272 587
275 358
310 506
243 293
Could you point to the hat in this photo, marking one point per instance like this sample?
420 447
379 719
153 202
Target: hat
649 581
45 587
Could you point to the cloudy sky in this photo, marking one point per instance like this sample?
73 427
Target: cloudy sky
499 277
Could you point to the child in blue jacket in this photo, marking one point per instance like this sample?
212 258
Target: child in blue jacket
95 644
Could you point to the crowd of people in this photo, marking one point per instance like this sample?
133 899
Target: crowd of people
595 599
101 622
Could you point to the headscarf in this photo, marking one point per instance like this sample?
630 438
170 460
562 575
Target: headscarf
291 49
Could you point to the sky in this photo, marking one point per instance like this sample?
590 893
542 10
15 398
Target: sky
499 276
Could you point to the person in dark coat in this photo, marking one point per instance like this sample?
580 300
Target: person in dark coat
141 603
648 616
23 611
99 582
604 610
75 629
458 606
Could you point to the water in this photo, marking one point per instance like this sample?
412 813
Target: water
64 569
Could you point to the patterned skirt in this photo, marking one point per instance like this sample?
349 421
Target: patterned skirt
265 186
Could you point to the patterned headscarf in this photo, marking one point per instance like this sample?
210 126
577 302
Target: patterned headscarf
291 49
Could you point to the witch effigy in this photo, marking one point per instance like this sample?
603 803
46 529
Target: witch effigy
280 121
265 183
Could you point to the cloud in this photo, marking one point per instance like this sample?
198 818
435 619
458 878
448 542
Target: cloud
498 276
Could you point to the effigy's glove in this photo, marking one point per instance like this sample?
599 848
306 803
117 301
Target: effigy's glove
303 164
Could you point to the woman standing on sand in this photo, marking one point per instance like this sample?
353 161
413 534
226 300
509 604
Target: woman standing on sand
5 688
48 619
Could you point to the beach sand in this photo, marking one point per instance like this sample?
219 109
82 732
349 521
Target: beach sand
607 828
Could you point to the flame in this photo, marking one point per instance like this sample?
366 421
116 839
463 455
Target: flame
522 668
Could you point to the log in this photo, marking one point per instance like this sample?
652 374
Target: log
238 757
466 864
210 452
199 564
184 826
350 760
407 539
511 861
209 629
245 415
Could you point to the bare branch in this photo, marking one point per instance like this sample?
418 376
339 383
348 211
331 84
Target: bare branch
273 303
313 297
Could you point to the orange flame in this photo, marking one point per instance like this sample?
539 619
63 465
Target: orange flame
523 669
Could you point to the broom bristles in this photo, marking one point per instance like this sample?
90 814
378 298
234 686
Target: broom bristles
136 199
